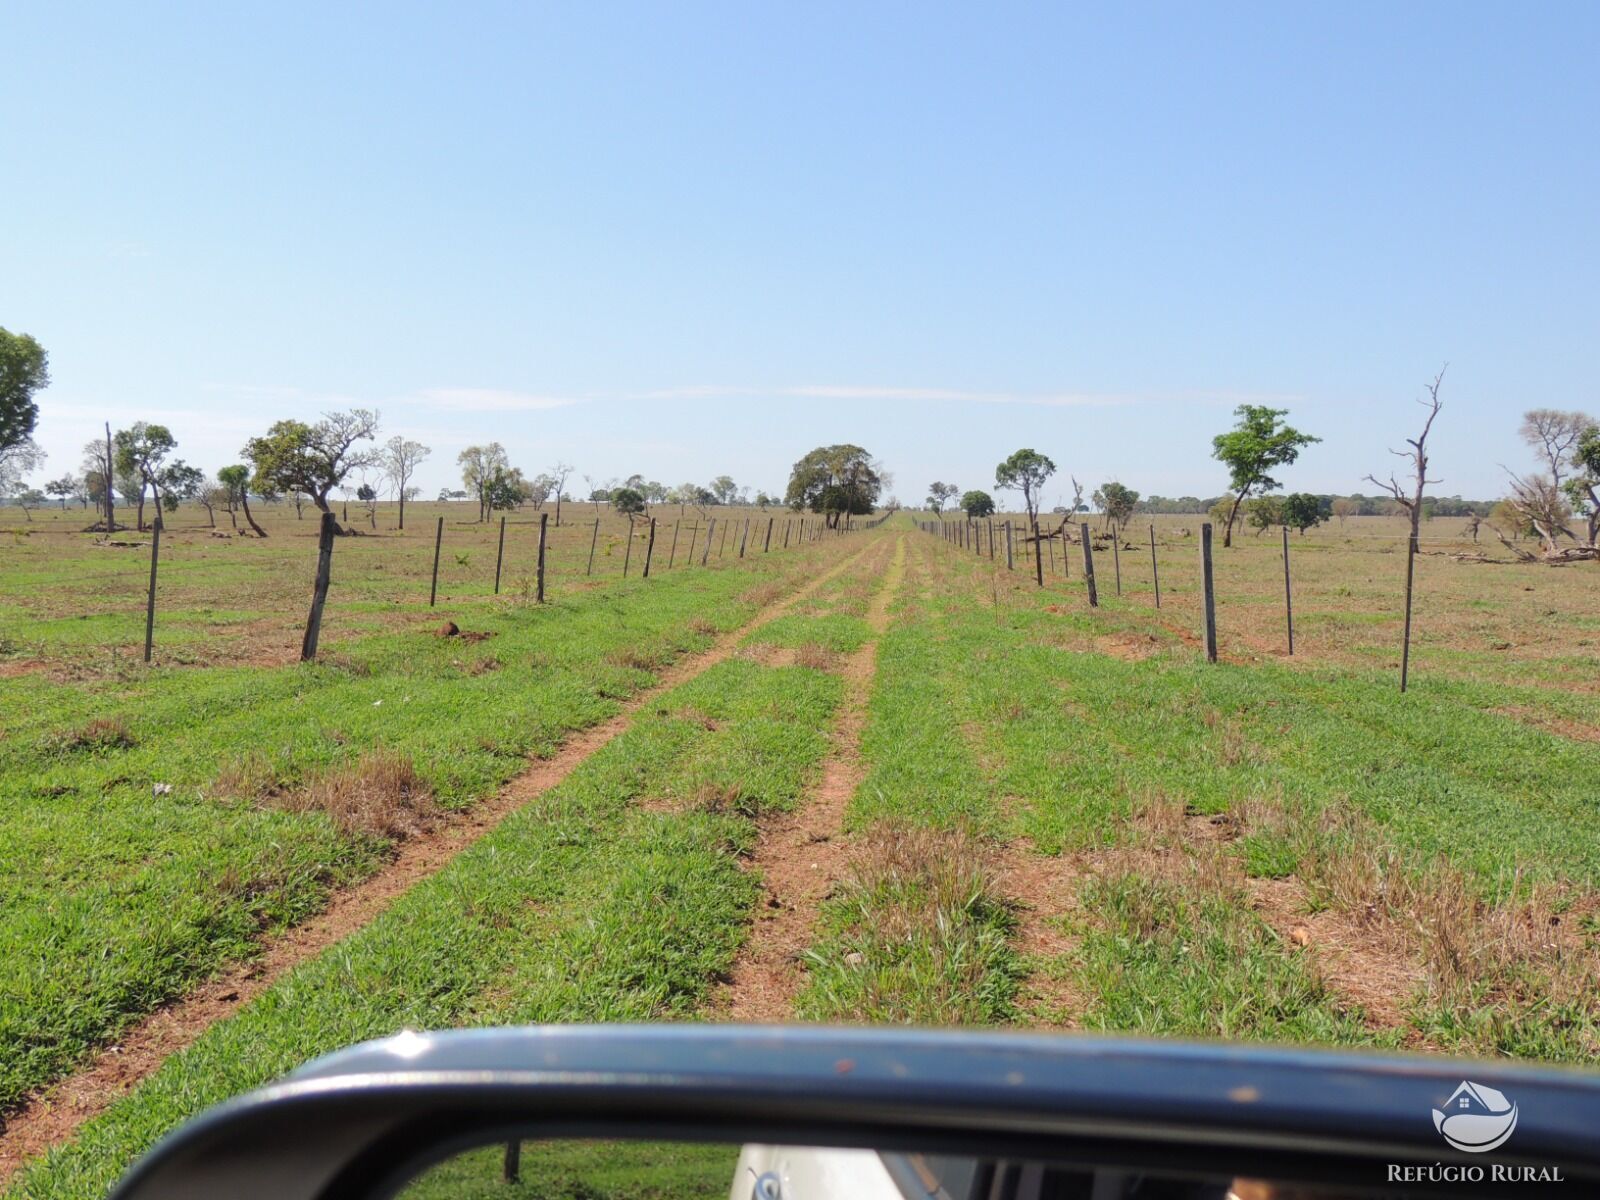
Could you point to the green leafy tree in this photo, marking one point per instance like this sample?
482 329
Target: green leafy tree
1302 511
977 505
1258 445
1263 512
314 459
629 501
29 499
1116 502
63 489
940 494
835 481
236 479
140 456
24 370
180 481
724 489
1583 489
1025 472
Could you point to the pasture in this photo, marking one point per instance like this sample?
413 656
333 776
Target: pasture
865 778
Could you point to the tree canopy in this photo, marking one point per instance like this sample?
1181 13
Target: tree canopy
835 480
1025 472
24 370
1259 444
1116 502
295 457
940 494
977 504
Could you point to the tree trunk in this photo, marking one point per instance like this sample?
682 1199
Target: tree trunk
139 518
1227 534
402 506
245 500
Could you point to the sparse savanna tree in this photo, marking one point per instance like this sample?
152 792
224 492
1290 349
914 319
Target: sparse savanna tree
724 489
940 494
400 460
559 473
180 481
1547 501
837 481
1344 506
481 467
29 499
1025 471
212 496
1257 445
63 489
314 459
628 501
977 505
1584 486
237 480
1117 502
141 452
1409 495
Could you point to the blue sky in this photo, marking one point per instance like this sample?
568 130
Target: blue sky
693 239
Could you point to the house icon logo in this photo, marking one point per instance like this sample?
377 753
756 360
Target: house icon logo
1476 1118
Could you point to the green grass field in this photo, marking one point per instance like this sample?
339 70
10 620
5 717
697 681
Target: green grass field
1058 817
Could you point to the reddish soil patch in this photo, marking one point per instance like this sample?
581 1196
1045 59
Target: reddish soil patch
1565 727
1042 891
54 1115
801 854
1130 647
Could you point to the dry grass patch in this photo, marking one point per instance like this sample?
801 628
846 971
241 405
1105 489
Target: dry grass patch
816 657
102 733
379 796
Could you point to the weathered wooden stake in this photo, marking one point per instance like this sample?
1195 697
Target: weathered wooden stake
319 592
1010 561
438 540
1405 645
722 542
744 536
499 556
694 534
650 548
1155 571
1053 555
1088 563
1038 557
787 522
1116 558
150 602
1208 584
1288 596
672 553
706 553
767 545
544 519
627 552
593 539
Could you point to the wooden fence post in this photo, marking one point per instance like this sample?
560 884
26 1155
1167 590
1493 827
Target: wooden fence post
544 519
1155 571
150 602
438 540
767 545
722 542
1207 584
1053 554
672 554
1038 557
1405 644
499 556
706 553
787 522
1010 561
319 592
627 551
650 548
991 539
1288 596
1088 563
593 538
694 535
1116 558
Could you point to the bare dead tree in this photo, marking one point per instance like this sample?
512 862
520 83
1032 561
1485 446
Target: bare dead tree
1409 496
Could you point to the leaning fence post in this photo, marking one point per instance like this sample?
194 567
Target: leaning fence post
593 539
319 593
438 539
1155 571
672 554
627 552
1405 645
1210 593
744 536
694 533
1088 563
722 542
787 522
1288 597
706 553
544 519
650 548
1116 558
767 545
1053 554
499 555
150 603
